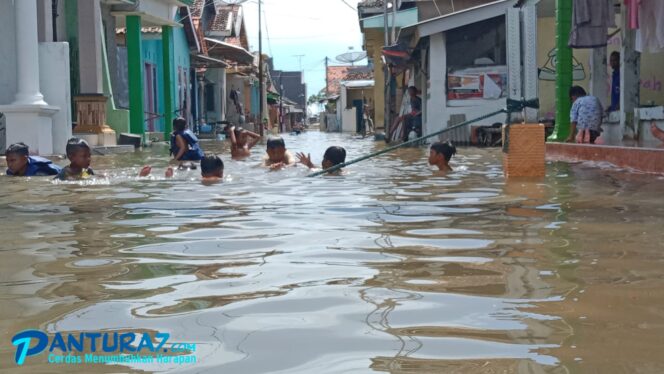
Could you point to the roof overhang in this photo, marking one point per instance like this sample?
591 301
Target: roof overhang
203 61
357 84
402 18
223 50
411 34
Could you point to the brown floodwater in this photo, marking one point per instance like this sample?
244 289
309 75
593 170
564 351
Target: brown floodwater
389 268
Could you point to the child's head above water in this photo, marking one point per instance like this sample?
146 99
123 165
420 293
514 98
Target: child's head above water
179 124
17 157
333 156
212 166
440 153
276 149
78 153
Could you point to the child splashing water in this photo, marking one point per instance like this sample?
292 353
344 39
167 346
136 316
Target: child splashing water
334 155
277 155
21 164
242 141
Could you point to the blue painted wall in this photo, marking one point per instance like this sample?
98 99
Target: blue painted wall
153 54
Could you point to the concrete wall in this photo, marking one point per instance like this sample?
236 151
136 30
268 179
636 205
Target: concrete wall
7 52
152 54
218 76
54 82
348 120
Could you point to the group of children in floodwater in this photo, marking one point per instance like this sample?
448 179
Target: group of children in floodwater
185 148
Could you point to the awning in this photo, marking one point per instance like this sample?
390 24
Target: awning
410 35
226 51
203 61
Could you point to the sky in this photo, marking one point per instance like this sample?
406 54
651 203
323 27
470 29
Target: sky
312 28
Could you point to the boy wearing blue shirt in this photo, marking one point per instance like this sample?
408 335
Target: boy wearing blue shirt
21 164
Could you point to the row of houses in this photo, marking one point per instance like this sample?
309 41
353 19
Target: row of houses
101 68
467 56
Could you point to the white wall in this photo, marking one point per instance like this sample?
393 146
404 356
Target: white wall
436 100
348 120
54 82
7 52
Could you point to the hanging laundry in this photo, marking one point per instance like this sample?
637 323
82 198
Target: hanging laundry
632 13
591 20
650 35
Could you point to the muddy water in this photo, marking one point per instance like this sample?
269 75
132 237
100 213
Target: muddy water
389 268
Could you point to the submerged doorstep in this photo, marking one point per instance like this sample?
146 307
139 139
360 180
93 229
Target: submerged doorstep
649 160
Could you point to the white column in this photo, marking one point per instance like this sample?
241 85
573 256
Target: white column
27 54
437 100
89 46
513 53
530 78
599 85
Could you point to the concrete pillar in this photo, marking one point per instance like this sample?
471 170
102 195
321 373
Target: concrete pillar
530 67
513 25
89 43
45 20
630 72
437 100
27 54
169 73
564 70
599 85
135 67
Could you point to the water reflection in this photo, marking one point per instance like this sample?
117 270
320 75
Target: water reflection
388 268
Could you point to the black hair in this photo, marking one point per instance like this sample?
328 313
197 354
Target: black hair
19 149
615 53
275 142
413 88
577 91
179 124
76 144
446 149
335 154
211 163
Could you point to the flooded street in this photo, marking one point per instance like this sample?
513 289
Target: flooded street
390 268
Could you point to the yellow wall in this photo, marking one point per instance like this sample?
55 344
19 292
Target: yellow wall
546 42
652 75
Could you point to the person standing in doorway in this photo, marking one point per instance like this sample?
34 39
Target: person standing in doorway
614 61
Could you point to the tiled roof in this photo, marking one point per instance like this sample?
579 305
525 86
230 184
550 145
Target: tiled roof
196 8
233 40
371 3
224 14
336 74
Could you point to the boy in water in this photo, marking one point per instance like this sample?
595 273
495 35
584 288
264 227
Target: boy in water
184 143
21 164
78 153
440 154
212 169
277 155
334 155
242 141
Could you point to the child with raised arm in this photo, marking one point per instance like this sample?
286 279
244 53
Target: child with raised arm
277 155
21 164
440 154
242 141
212 169
79 155
334 155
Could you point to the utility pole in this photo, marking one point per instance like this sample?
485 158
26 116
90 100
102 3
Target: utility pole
386 75
394 21
327 80
281 102
260 66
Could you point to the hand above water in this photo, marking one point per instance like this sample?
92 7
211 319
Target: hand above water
305 159
145 171
277 166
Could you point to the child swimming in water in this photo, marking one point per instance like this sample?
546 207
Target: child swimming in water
78 153
242 141
440 154
212 169
277 155
334 155
21 164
